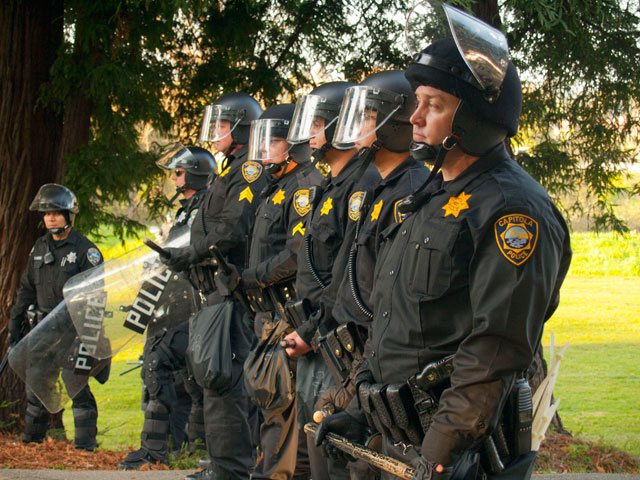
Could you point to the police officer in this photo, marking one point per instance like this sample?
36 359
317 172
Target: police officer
56 256
164 370
466 282
315 121
225 219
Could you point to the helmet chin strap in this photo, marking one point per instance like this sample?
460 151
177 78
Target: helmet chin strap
59 231
275 168
367 155
319 153
179 191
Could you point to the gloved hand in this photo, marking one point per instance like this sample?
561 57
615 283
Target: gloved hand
15 332
426 470
346 426
228 283
181 258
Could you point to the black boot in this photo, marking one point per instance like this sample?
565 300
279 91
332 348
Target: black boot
137 459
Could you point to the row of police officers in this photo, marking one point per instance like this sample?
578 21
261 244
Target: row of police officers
408 287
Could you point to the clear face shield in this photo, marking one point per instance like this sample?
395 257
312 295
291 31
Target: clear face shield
268 140
178 157
364 110
483 48
218 121
313 115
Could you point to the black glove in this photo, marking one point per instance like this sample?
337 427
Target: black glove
346 426
181 258
426 470
228 283
16 332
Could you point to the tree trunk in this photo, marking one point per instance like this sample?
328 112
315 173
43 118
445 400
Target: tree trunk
30 34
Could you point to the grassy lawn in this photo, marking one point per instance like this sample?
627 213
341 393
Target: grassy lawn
599 382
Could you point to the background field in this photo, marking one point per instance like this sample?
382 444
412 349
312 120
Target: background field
599 382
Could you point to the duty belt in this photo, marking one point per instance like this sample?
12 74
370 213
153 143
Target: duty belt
403 411
272 298
340 348
202 277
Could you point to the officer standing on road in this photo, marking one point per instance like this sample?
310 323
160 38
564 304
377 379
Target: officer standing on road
315 121
466 282
226 219
164 351
56 256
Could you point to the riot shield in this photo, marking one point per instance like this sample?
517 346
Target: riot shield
122 298
52 361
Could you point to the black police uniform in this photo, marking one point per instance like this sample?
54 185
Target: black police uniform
474 273
51 263
226 219
270 279
170 396
324 235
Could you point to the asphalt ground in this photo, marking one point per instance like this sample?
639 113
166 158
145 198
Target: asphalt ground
180 474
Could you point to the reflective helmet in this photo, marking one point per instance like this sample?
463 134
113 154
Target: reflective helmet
473 66
322 103
239 109
197 162
388 97
52 197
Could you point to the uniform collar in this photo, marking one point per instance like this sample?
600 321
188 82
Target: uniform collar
351 166
72 239
406 164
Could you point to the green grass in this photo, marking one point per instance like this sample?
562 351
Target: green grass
605 254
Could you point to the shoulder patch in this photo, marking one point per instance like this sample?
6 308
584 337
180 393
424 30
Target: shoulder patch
94 256
517 237
355 201
301 202
397 216
192 217
251 171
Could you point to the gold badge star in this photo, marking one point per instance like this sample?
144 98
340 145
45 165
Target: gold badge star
278 197
246 193
376 210
456 204
299 229
326 207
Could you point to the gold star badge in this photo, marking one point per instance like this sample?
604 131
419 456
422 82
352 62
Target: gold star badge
326 207
376 210
278 197
456 204
299 229
246 194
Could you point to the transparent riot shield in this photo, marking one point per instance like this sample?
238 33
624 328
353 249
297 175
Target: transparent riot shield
122 298
52 361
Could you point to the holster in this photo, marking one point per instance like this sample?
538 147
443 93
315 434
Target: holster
272 298
202 277
297 312
340 348
34 315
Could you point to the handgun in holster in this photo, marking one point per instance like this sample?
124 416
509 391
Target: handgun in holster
34 316
340 348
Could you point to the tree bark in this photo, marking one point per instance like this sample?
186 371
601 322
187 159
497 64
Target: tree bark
30 33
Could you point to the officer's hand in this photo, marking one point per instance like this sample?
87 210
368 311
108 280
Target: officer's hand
344 425
228 283
297 346
181 258
426 470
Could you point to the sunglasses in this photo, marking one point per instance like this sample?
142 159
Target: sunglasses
178 173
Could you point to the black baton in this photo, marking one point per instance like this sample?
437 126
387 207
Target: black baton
157 248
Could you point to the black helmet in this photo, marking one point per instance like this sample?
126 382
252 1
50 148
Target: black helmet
477 72
239 109
324 102
197 162
389 95
56 198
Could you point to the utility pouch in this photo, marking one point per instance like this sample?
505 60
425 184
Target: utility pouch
322 343
518 418
365 391
340 348
380 407
202 277
403 411
297 312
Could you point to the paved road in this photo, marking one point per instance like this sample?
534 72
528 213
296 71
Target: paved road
180 474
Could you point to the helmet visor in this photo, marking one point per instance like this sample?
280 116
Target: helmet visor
484 49
313 115
426 23
364 110
53 197
178 157
268 139
218 122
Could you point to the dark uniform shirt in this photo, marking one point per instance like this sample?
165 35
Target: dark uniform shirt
387 194
475 272
188 210
227 213
51 263
279 228
325 234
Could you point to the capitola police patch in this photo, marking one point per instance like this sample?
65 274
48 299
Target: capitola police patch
251 171
93 255
301 202
192 217
517 236
354 205
398 217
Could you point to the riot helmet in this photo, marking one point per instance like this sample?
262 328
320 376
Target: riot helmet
382 103
197 162
317 112
471 64
52 197
239 109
